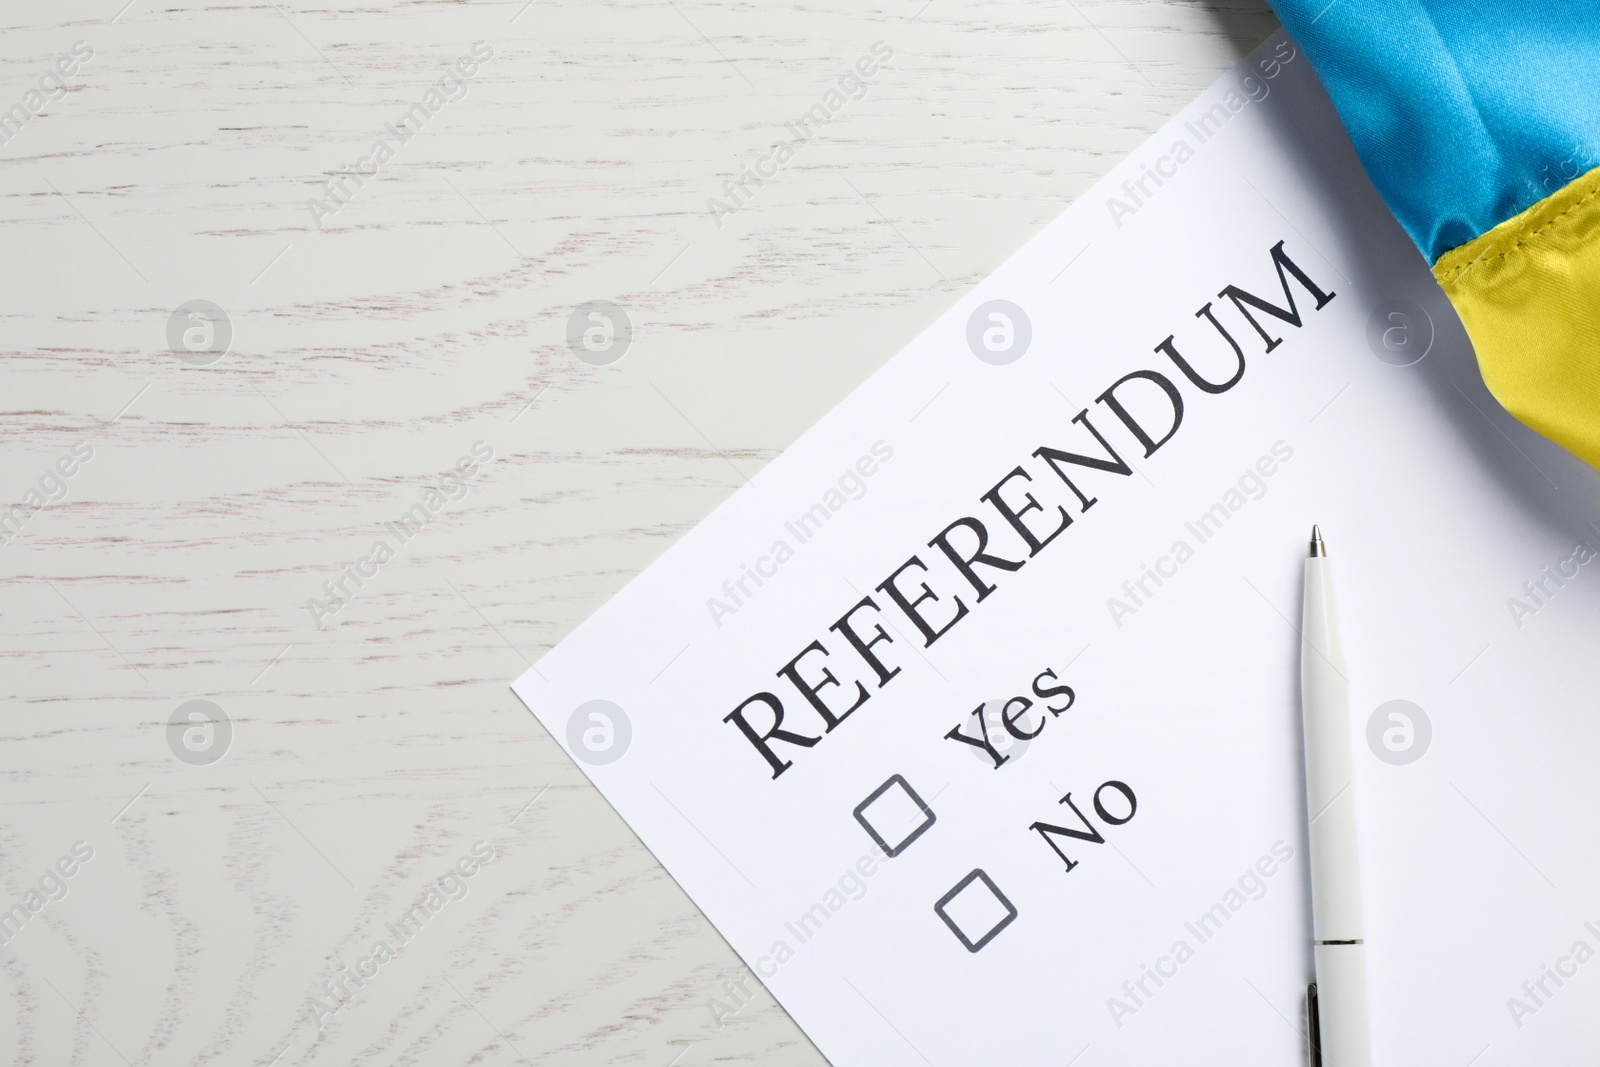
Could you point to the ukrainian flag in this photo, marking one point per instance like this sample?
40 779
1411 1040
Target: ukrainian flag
1479 123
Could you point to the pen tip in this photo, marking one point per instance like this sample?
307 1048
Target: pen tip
1317 547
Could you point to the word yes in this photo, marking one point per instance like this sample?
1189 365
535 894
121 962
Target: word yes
1013 716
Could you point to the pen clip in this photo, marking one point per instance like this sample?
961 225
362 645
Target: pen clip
1313 1025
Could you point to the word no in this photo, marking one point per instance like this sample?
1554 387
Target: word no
1049 831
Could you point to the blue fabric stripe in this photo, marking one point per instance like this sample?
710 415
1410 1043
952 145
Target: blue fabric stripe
1464 112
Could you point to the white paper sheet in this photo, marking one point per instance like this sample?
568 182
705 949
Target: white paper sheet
1479 861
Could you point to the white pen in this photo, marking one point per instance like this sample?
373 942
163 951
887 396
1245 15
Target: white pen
1338 997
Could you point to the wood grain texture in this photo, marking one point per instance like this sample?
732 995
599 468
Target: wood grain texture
369 753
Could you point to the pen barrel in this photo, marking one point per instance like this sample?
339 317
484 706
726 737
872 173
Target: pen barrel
1342 1005
1330 791
1337 931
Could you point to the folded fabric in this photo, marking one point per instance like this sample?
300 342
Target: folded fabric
1479 123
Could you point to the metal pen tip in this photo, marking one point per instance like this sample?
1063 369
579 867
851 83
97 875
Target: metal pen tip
1317 547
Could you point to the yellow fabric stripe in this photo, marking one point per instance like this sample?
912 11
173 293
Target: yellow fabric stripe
1528 292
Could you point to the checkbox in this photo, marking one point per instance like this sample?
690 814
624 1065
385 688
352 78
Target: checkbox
898 816
977 909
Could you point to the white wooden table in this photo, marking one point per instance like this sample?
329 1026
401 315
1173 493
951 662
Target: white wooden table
367 749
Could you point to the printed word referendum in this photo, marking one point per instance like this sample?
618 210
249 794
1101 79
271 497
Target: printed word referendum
827 679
